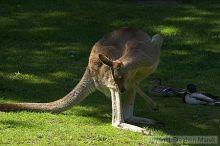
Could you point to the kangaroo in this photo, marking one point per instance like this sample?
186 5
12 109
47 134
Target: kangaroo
117 63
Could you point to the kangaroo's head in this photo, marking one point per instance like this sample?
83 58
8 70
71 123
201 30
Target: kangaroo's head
118 71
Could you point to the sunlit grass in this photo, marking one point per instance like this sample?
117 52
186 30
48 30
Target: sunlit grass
41 29
26 78
44 49
54 14
185 18
167 30
180 52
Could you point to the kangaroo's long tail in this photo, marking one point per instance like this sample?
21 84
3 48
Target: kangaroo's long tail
81 91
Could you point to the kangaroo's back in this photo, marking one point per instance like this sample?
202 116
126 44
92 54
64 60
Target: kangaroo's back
114 43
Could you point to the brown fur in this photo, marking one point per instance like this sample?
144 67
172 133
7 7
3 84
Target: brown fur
117 63
131 47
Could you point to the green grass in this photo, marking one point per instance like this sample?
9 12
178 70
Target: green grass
44 49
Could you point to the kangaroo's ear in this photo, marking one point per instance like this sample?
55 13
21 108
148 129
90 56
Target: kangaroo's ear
105 60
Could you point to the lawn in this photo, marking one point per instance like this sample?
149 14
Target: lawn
44 49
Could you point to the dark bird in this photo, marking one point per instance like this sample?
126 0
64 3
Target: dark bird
160 90
195 98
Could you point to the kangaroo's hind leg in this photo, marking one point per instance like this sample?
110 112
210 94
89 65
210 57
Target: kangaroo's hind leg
128 109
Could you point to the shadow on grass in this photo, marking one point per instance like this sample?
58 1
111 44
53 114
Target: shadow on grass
45 47
14 124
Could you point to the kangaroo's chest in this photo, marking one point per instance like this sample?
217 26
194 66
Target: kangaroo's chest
102 77
103 84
